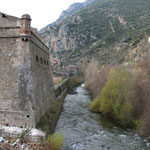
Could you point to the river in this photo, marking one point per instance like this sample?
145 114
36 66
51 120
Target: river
83 130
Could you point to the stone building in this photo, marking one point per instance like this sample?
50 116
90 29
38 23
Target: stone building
72 70
26 87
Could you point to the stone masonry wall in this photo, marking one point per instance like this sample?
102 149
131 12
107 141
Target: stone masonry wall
26 81
15 80
43 91
26 87
49 120
8 21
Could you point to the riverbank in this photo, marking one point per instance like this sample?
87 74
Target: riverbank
121 93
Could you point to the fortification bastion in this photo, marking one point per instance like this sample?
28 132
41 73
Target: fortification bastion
26 87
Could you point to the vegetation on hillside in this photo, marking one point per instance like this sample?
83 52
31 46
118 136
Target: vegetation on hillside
124 96
105 29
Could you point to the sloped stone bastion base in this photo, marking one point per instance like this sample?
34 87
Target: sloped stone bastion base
48 121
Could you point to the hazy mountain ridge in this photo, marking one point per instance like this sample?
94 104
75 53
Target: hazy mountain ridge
72 9
66 13
106 29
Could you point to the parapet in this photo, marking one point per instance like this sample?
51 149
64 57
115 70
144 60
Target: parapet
8 21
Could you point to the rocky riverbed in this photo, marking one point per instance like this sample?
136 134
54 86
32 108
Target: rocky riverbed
84 130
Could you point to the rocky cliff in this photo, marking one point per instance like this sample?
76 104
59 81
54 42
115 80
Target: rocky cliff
109 30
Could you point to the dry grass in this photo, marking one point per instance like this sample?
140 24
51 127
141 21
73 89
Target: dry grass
57 80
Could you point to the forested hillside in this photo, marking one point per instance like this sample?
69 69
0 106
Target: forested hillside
113 31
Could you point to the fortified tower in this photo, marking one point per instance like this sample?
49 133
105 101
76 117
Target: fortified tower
25 26
26 87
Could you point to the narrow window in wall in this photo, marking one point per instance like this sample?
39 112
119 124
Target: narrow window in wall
37 59
41 61
47 63
44 62
25 39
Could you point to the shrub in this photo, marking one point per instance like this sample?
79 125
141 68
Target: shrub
120 94
103 76
95 105
54 142
96 77
145 122
74 82
125 115
141 99
141 95
91 75
115 98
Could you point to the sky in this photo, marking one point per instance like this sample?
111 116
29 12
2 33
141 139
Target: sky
42 12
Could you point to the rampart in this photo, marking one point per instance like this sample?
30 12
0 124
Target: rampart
47 122
26 87
49 119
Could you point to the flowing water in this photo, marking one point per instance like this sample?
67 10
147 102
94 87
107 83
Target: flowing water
83 130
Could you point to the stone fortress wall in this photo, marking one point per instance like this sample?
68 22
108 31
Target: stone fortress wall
26 87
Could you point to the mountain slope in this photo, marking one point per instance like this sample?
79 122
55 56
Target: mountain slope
106 29
66 13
